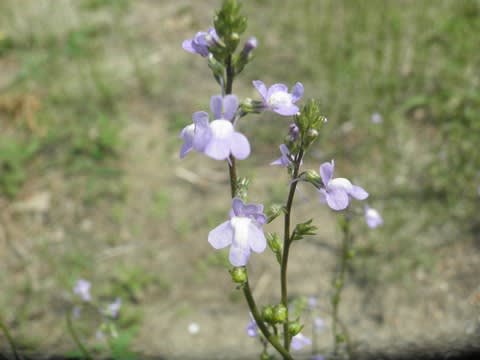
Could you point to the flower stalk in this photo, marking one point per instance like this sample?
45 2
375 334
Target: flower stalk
286 245
339 283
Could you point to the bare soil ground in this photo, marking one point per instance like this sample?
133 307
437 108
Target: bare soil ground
161 228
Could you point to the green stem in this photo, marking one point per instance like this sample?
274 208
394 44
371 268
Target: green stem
5 331
272 339
76 339
339 280
286 246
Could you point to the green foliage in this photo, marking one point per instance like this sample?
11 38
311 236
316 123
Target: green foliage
132 282
303 229
99 142
120 345
230 24
14 158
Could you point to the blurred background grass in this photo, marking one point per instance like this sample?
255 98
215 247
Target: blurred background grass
80 79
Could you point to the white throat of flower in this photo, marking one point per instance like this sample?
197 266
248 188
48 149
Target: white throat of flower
280 98
221 128
240 231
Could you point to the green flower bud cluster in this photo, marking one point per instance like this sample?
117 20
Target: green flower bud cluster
274 314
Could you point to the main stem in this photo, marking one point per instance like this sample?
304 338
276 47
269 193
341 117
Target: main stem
247 292
286 246
339 281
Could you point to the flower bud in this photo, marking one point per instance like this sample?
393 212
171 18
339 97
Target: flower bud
294 328
274 242
250 45
252 106
293 132
280 313
239 275
267 314
312 177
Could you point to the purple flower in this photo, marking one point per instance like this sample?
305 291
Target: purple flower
283 160
336 192
312 303
243 232
299 341
114 308
318 323
82 289
372 217
252 328
201 42
376 118
217 139
317 357
278 99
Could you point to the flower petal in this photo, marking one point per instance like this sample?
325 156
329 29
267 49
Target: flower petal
297 91
261 88
287 110
337 199
221 236
326 172
230 106
218 149
256 238
187 46
240 146
202 132
277 88
216 105
187 135
239 256
358 192
323 195
340 183
237 206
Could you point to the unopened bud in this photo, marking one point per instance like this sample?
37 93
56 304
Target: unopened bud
249 106
239 275
294 328
250 45
267 314
274 242
280 313
293 132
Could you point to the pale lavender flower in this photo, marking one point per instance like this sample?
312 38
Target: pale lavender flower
312 303
243 232
376 118
372 217
252 328
278 99
217 139
317 357
299 341
82 289
318 323
201 42
285 159
337 191
114 308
